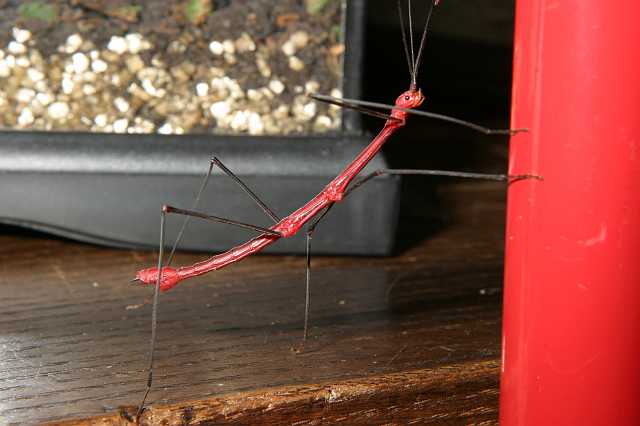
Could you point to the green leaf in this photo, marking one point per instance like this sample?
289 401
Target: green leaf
38 10
196 11
335 32
315 6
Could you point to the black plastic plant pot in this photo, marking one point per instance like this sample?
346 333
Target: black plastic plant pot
109 188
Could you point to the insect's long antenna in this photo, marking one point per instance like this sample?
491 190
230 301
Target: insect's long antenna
416 64
413 59
404 39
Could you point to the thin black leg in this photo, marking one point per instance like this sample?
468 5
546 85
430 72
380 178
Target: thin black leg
310 230
215 161
188 214
481 176
154 312
154 315
246 189
194 206
200 215
358 105
353 106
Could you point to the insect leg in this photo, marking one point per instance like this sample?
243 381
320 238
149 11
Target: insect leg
154 314
465 175
194 206
216 162
363 106
246 189
193 213
188 213
310 230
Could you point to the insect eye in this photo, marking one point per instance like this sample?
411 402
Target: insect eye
406 98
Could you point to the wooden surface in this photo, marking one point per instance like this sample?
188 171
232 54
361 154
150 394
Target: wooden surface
411 338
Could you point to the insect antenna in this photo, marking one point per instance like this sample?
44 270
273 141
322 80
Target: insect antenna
412 60
416 64
404 39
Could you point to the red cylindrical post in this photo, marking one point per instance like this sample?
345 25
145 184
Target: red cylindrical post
571 330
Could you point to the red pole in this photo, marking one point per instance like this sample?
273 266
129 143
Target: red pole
571 331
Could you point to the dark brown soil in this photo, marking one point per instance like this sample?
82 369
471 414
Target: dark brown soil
268 23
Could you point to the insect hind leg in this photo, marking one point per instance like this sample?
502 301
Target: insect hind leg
215 161
162 265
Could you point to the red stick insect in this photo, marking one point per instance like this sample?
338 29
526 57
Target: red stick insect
164 277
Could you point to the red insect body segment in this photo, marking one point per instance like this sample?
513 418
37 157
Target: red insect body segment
170 277
335 190
571 329
291 224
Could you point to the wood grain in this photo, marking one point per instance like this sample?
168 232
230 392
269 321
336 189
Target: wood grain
411 338
437 395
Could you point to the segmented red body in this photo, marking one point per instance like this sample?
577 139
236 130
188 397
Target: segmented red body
291 224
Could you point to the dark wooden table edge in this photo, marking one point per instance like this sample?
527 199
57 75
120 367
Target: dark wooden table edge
399 392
